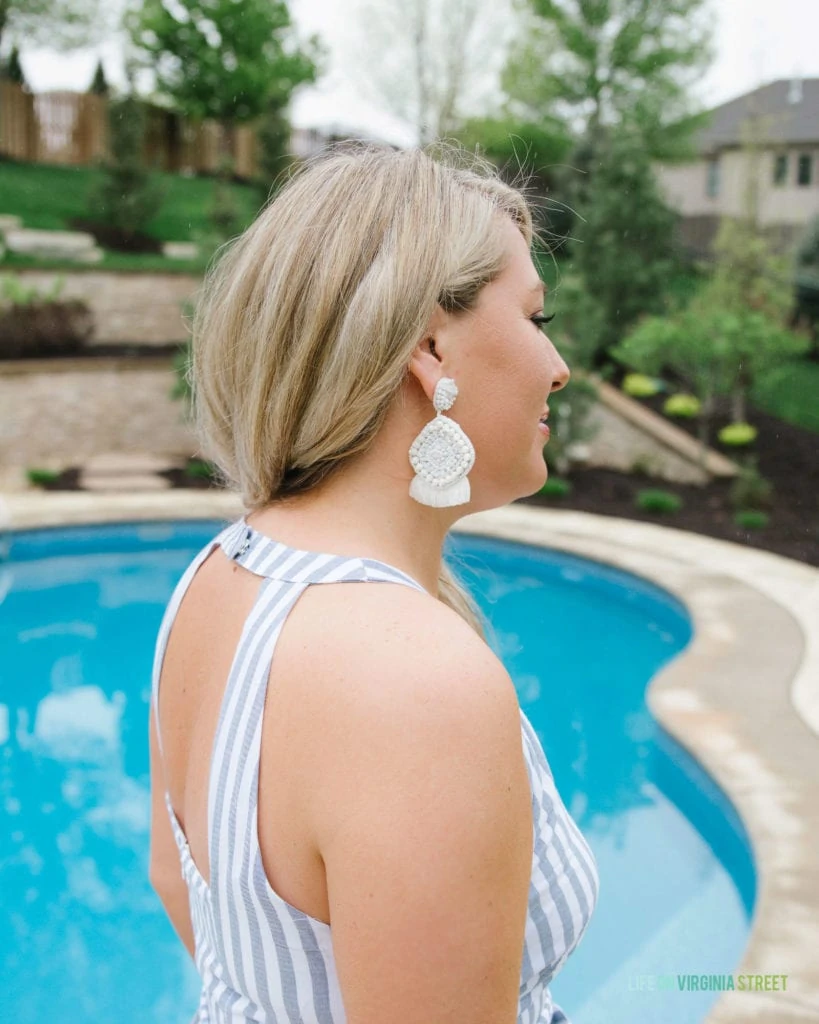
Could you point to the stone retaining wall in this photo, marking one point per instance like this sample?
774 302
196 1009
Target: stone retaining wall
630 433
57 412
128 307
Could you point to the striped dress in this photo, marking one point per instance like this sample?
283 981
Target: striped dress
259 957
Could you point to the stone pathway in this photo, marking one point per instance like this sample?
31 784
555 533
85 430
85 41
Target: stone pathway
127 471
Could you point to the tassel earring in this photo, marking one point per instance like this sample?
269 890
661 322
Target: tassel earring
441 455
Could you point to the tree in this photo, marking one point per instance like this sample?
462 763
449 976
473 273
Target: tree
592 63
127 197
228 59
597 65
13 69
751 277
806 278
99 83
534 150
273 153
428 62
60 24
736 329
626 253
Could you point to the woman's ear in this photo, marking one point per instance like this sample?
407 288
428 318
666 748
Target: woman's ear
426 360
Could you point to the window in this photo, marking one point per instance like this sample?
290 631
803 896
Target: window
780 176
712 178
804 169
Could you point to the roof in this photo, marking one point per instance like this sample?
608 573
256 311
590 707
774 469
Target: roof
791 103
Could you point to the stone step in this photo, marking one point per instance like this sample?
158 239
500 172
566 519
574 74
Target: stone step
125 482
9 222
180 250
73 245
123 463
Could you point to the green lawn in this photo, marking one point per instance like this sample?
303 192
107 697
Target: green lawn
147 262
46 196
790 393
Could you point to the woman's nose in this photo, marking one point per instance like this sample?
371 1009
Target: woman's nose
561 376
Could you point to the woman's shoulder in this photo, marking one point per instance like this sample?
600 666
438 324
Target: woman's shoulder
389 657
386 625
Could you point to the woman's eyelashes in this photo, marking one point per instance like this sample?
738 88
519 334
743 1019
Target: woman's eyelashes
541 320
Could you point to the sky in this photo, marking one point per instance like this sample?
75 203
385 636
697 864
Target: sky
757 41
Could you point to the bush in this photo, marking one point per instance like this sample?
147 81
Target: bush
737 434
658 501
556 488
128 196
36 324
751 519
645 465
750 490
682 405
716 354
41 476
638 385
200 468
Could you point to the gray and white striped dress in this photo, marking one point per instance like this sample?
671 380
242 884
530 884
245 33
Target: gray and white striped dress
261 959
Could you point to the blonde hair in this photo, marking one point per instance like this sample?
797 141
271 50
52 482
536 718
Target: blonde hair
306 323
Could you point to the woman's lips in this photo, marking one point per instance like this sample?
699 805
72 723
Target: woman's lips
544 429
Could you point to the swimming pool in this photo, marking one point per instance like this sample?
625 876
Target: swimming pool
79 923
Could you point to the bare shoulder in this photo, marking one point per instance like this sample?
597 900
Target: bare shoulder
392 641
423 813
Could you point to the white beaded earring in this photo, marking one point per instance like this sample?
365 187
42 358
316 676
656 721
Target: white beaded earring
441 455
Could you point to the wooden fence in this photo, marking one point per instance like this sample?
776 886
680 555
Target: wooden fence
72 128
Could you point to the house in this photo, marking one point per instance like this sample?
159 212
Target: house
784 117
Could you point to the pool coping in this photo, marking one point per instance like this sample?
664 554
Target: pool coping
756 625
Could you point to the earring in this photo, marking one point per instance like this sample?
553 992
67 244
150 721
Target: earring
441 455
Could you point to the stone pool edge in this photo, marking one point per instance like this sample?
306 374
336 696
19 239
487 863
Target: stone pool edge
755 626
755 637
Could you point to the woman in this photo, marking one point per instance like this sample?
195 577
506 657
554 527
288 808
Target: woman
367 825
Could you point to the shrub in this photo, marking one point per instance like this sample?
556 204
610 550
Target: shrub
737 434
41 476
128 196
556 488
658 501
14 291
751 519
35 323
682 405
639 385
717 354
644 465
750 490
200 468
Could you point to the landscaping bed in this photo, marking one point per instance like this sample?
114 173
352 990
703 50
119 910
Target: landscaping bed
787 456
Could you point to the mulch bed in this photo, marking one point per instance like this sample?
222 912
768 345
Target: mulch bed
110 237
787 456
119 350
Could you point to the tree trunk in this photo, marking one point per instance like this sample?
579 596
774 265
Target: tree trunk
704 426
738 404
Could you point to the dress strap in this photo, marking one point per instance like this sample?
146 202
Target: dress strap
265 556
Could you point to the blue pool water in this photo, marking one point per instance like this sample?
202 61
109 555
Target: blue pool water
84 938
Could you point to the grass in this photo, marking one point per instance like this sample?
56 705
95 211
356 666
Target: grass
147 262
46 196
789 392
